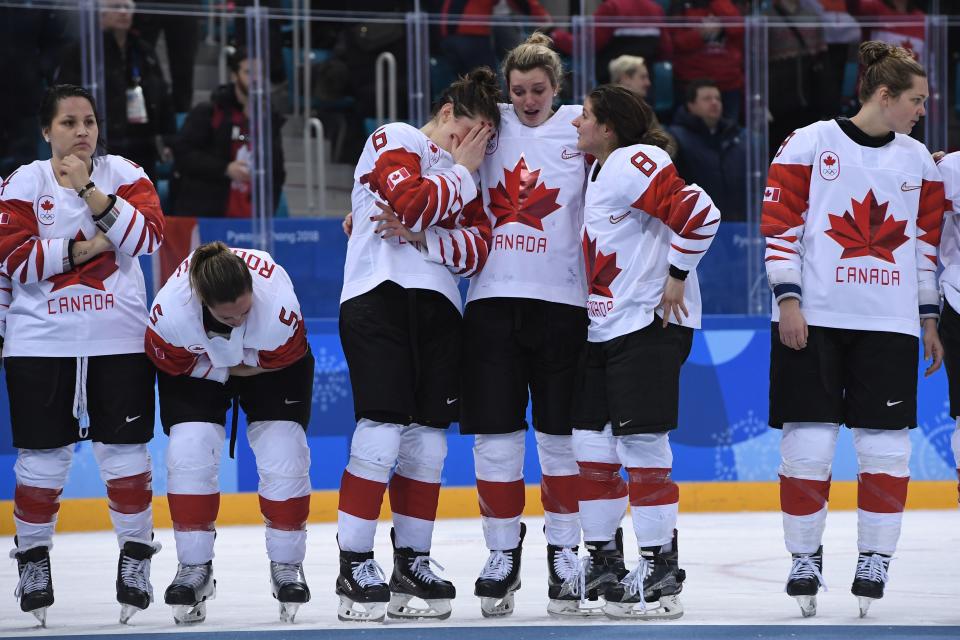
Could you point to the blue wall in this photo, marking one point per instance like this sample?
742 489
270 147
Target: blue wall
722 436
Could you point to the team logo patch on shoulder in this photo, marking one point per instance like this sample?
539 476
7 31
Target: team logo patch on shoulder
397 177
829 165
4 217
45 209
771 194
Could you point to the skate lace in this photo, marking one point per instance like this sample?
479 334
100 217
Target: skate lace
633 581
35 577
805 568
191 575
368 573
286 573
136 573
573 571
873 568
499 565
421 568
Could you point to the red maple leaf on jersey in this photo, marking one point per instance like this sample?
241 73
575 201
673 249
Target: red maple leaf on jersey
89 274
869 231
829 161
46 205
520 199
601 269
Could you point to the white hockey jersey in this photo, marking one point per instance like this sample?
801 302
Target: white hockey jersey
271 337
639 219
949 168
532 182
99 307
853 229
405 169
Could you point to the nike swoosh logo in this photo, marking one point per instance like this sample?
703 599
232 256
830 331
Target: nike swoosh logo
624 423
566 155
620 218
909 187
451 400
893 404
129 419
285 401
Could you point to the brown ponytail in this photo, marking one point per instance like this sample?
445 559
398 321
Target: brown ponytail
218 275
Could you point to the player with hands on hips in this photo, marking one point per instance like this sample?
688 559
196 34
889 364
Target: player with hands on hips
227 326
644 233
71 231
852 215
416 227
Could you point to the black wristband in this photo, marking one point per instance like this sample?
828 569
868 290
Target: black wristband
679 274
70 244
85 188
113 200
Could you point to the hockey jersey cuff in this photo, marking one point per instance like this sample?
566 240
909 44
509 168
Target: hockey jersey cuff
678 273
108 218
929 311
787 290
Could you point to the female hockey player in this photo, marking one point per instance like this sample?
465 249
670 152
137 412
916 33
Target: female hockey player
400 329
644 233
852 214
949 327
71 230
524 327
227 327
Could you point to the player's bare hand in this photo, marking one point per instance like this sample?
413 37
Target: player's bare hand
347 224
75 171
390 226
470 150
932 347
793 326
672 301
938 155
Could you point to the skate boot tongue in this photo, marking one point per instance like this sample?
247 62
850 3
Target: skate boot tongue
870 579
572 571
368 573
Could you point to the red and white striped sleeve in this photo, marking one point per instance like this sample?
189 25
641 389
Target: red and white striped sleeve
420 200
784 214
930 214
686 209
24 256
134 224
462 245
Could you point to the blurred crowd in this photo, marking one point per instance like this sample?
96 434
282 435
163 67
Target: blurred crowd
691 73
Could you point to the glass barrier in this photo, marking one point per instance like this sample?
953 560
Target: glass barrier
289 130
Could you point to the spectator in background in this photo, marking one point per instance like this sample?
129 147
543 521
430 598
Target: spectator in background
904 26
30 45
181 33
842 35
466 38
138 106
797 55
631 72
637 39
213 151
712 149
712 49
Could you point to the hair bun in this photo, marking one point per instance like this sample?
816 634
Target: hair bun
873 51
484 76
539 37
